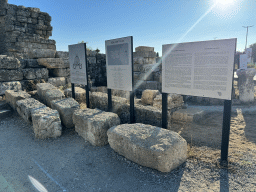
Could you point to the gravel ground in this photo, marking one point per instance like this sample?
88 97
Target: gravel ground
68 163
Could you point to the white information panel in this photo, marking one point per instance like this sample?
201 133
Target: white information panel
243 60
199 68
77 60
249 55
119 63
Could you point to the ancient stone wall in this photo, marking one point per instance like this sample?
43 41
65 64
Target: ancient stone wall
146 71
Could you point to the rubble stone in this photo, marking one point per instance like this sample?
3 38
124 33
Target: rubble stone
148 145
26 107
148 96
12 97
52 63
46 123
13 85
66 108
92 125
53 94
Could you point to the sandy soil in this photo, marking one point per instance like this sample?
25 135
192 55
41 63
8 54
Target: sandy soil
208 133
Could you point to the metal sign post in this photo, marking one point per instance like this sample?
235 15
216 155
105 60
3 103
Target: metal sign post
164 110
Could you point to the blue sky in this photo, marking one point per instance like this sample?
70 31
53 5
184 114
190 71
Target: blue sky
151 23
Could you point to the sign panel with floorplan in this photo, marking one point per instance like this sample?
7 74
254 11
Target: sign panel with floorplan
77 60
119 63
199 68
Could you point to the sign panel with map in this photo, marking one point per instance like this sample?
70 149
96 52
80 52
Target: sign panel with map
77 60
202 69
119 63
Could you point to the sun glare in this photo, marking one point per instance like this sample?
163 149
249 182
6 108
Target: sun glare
224 2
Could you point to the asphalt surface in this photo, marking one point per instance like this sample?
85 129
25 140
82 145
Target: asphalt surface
68 163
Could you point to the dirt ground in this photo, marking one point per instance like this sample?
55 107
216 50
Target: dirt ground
208 133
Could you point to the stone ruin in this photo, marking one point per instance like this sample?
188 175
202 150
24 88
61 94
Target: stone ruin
28 56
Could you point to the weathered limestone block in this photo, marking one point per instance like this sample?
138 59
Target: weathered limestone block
13 85
148 115
149 68
188 115
59 72
246 84
42 88
53 94
26 107
102 89
35 73
12 97
148 96
62 54
41 53
148 145
46 123
57 81
144 48
32 63
80 93
9 62
93 124
120 93
11 75
53 63
144 54
173 100
66 108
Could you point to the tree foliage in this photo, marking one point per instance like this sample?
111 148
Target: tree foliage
253 46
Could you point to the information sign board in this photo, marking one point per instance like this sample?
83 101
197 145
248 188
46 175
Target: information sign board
243 60
77 60
199 68
119 63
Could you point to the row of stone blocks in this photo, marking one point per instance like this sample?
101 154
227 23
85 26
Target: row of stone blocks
144 144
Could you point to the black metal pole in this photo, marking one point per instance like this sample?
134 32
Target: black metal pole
132 119
164 110
87 96
109 101
73 90
225 132
132 115
87 86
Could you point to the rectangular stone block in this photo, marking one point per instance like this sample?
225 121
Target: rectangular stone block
32 63
59 72
148 96
42 88
46 123
57 81
144 54
26 107
62 54
66 108
9 62
35 73
93 124
188 115
41 53
144 48
53 94
148 145
11 75
12 97
173 100
53 63
80 93
13 85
